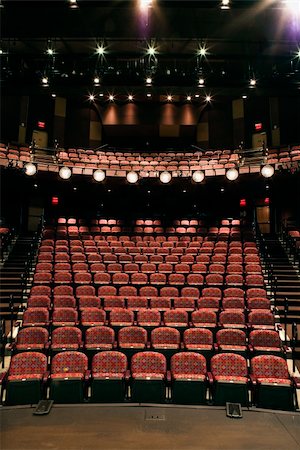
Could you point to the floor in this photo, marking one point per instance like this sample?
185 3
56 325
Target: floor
82 427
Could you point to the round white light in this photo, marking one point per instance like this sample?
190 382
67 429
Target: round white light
45 80
189 98
232 174
30 169
253 82
201 81
99 175
198 176
65 173
267 171
130 97
148 80
96 80
132 177
165 177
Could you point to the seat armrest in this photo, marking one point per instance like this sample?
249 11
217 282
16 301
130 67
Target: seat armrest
47 345
81 344
251 348
127 375
115 344
148 344
182 346
253 380
216 347
296 381
46 377
3 377
210 377
169 377
87 376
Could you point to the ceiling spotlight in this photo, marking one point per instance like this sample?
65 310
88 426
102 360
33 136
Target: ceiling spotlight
151 51
111 98
73 4
202 51
225 4
45 81
99 175
232 174
30 169
50 51
197 95
132 177
91 97
208 98
165 177
144 4
130 97
148 94
201 82
169 98
198 176
1 51
100 50
298 53
148 80
244 96
53 95
65 173
96 80
252 82
267 171
189 98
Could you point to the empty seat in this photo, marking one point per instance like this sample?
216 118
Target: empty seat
120 317
198 339
176 318
33 317
261 319
31 339
204 318
148 318
99 338
24 378
89 301
92 317
231 340
148 373
229 380
265 341
68 371
160 303
188 372
134 337
165 338
64 317
66 338
232 318
108 377
137 303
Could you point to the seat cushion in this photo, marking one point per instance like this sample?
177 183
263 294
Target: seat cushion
147 376
108 376
189 377
25 377
275 381
67 376
231 379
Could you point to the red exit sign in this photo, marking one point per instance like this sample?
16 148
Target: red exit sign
41 124
258 126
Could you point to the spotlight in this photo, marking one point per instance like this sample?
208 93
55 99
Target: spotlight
53 95
252 82
232 174
148 94
225 4
208 98
45 81
101 94
73 4
151 51
100 50
148 80
132 177
50 51
189 98
169 98
201 82
91 97
111 98
130 97
267 171
1 51
144 4
197 95
96 80
202 51
99 175
165 177
198 176
65 173
298 53
30 169
244 97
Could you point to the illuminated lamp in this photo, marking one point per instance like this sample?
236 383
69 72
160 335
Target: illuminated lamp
198 176
232 174
165 177
30 169
132 177
65 173
99 175
267 171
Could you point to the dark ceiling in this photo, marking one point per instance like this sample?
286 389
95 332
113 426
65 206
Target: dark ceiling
252 39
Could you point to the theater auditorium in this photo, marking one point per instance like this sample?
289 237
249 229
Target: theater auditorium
150 224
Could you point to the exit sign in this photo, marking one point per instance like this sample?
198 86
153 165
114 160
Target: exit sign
41 124
258 126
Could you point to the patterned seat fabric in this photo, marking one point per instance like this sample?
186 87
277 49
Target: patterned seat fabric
148 317
204 318
89 301
99 338
188 304
66 338
148 291
259 303
132 337
27 366
69 364
188 366
233 303
64 301
233 292
227 367
32 338
137 303
35 316
176 317
232 318
160 303
165 338
92 316
270 369
261 319
64 316
198 338
109 365
265 340
121 317
235 339
38 301
211 303
148 365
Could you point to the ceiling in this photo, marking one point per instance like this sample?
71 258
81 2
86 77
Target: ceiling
253 39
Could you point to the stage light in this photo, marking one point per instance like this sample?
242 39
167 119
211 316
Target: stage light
151 51
73 4
201 82
144 4
267 171
30 169
202 50
130 97
101 94
99 175
169 98
100 50
298 53
96 80
197 95
148 80
111 98
45 81
132 177
252 82
165 177
50 51
198 176
225 4
244 97
53 95
232 174
148 95
189 98
65 173
1 51
91 97
208 98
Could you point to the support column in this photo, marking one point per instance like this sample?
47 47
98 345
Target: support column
59 120
238 118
